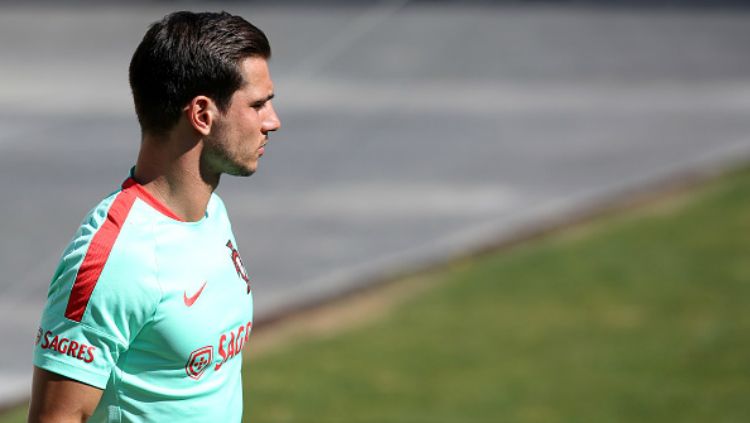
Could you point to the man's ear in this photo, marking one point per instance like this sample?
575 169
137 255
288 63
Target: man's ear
201 112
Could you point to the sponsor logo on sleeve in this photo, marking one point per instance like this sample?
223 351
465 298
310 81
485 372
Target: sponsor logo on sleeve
65 346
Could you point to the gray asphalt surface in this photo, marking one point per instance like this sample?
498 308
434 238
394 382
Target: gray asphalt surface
410 132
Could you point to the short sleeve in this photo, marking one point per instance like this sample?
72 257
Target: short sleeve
103 293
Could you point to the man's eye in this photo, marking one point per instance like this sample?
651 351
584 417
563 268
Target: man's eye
258 106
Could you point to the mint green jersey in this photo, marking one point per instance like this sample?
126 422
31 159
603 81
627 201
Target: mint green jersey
153 310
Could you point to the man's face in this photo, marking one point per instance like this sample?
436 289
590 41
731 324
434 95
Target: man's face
238 136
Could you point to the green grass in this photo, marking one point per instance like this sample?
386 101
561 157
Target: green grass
640 317
17 415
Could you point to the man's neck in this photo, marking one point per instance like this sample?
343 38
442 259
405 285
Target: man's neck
170 170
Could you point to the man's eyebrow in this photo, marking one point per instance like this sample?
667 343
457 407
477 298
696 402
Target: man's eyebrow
263 100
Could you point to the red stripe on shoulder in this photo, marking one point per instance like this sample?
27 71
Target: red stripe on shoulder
130 184
97 255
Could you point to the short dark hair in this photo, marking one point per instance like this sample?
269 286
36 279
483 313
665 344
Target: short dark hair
188 54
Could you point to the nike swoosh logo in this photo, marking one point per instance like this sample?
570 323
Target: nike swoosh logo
190 300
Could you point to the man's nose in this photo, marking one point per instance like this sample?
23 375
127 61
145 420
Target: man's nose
272 121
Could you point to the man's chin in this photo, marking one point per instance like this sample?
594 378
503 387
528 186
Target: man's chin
240 171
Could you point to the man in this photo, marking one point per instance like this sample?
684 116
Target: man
151 304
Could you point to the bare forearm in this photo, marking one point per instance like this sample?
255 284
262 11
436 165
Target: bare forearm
57 399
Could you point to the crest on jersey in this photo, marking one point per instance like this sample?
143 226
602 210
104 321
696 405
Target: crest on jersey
199 361
238 266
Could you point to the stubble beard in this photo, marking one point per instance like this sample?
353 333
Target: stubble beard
219 157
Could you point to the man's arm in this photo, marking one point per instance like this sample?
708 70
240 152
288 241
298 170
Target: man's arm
56 398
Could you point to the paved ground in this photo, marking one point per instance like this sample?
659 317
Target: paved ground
410 132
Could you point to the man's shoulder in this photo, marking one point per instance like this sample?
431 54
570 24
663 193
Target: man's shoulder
95 218
110 214
109 224
106 254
